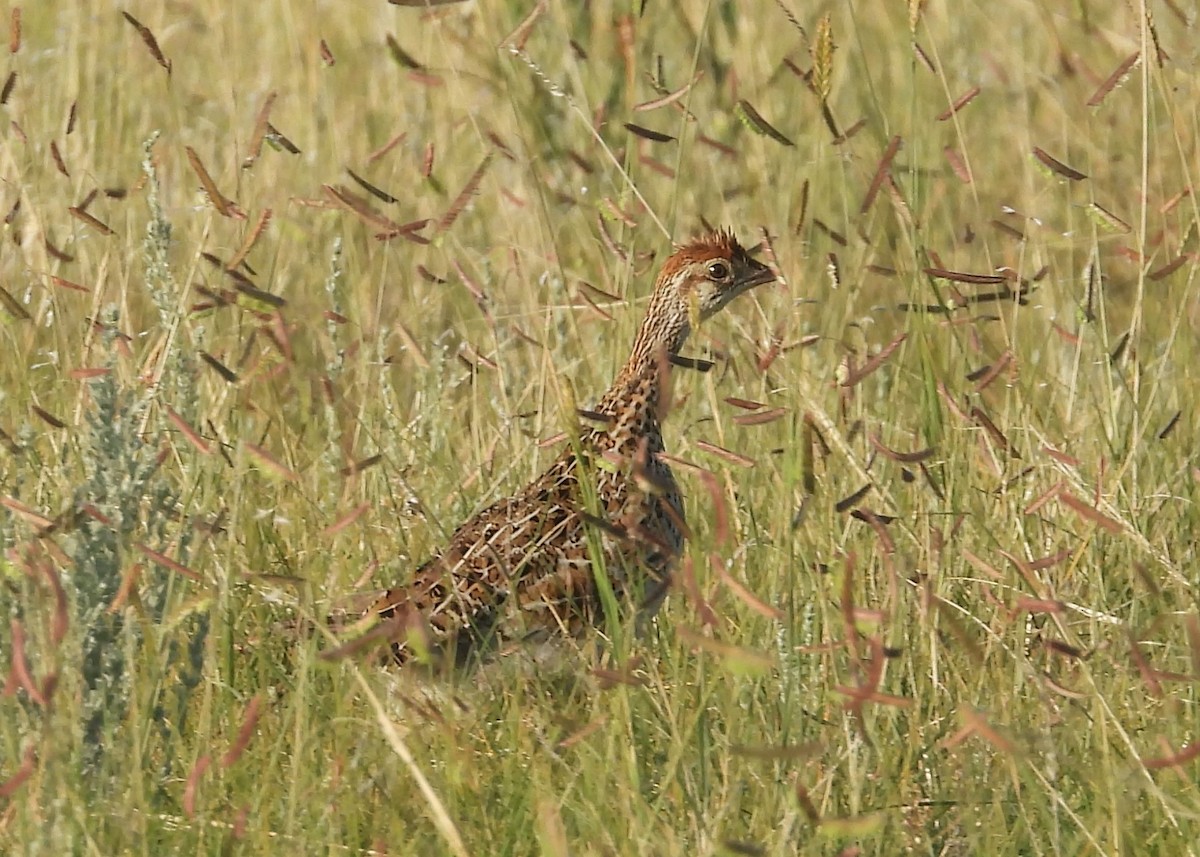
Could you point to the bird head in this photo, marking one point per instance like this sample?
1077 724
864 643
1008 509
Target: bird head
701 277
695 283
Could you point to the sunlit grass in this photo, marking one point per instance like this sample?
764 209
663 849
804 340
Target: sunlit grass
977 634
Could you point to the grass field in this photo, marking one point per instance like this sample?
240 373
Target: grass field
940 596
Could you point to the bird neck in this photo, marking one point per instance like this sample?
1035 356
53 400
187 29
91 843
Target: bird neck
643 380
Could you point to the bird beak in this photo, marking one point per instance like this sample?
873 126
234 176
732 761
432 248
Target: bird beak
756 274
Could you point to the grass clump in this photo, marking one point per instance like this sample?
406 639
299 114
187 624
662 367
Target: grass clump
940 595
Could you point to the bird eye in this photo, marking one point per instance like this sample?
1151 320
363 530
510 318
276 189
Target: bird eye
718 271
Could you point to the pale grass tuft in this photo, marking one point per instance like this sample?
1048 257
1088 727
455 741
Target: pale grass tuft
822 58
897 636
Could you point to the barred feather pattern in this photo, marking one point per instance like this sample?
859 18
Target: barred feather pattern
522 566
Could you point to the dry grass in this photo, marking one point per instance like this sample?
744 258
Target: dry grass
941 597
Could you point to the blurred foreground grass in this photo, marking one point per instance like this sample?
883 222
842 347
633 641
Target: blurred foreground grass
940 597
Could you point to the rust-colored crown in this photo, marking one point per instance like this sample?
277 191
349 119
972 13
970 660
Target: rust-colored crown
718 244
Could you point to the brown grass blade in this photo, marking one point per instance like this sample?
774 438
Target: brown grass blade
346 520
477 292
1090 512
356 467
224 206
192 786
600 294
596 725
985 422
1113 80
902 457
924 58
627 675
10 786
1148 673
1061 457
166 562
1107 219
1192 626
974 723
648 133
595 307
56 252
1170 205
220 368
724 150
856 377
760 418
1167 269
1058 647
48 417
754 121
251 239
959 103
743 594
806 805
20 666
395 628
464 195
128 588
387 147
881 172
401 56
669 98
1050 561
1056 166
850 133
67 284
245 287
852 500
421 4
1044 498
193 437
982 566
327 57
407 231
877 524
994 371
150 41
261 123
1188 753
720 507
737 658
278 138
99 226
25 513
61 621
245 732
270 462
59 163
725 454
695 364
963 277
357 205
378 193
781 753
691 589
13 306
1040 605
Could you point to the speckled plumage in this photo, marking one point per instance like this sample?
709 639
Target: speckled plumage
522 565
